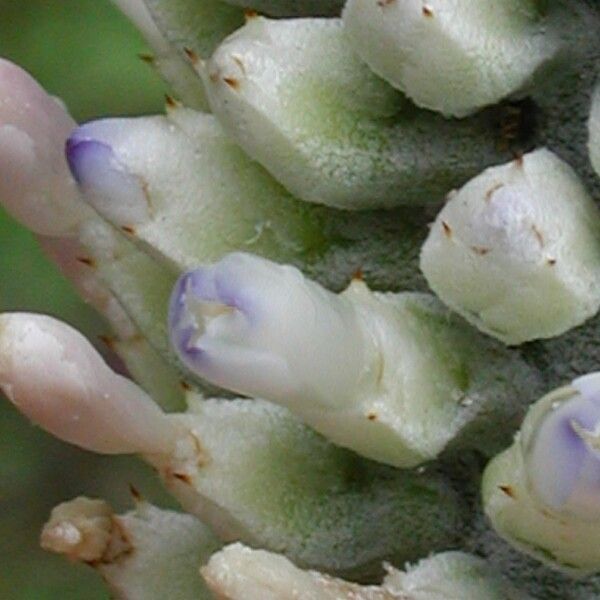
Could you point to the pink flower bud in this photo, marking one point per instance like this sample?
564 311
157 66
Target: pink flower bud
36 187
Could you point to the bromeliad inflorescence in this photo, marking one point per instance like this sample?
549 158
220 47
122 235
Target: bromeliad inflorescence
245 251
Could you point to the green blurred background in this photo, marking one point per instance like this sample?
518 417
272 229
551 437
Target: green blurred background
85 52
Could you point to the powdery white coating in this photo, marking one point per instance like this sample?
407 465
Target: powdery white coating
169 59
542 493
145 554
35 185
594 131
390 376
294 95
54 376
240 573
453 56
254 472
192 204
517 250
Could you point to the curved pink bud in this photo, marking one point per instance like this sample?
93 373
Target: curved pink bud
54 376
36 187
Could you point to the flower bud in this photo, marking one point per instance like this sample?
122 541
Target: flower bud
299 101
36 187
262 329
193 203
359 366
54 376
543 493
516 251
453 57
562 451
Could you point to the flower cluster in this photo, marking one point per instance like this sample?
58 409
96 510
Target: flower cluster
267 237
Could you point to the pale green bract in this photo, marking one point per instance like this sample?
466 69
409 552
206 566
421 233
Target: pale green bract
295 97
455 56
516 251
216 247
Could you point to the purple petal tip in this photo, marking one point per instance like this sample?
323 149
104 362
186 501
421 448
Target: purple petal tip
83 154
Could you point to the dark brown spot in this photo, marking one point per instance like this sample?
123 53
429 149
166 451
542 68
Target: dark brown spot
427 11
250 14
232 82
358 275
192 56
87 261
171 102
372 417
108 341
183 477
135 493
128 229
481 250
185 386
507 489
447 229
384 3
147 58
551 261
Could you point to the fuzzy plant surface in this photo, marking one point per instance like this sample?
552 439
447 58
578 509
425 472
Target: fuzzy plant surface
353 276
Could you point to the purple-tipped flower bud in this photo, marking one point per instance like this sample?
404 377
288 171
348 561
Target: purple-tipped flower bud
35 185
542 494
54 376
562 450
264 330
106 183
372 372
